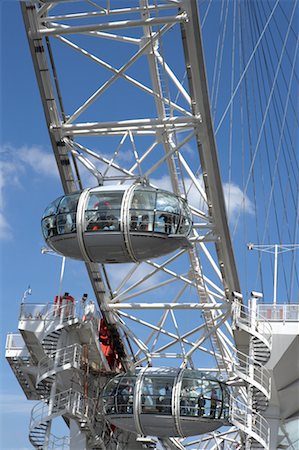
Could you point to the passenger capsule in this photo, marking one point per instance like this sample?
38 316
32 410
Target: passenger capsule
166 402
117 224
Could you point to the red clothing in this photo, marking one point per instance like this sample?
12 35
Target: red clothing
106 344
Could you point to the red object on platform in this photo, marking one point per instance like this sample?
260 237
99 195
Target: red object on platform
106 344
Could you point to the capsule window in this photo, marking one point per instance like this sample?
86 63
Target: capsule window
142 210
119 396
141 220
202 398
49 223
167 213
185 220
52 208
49 228
66 217
103 211
156 395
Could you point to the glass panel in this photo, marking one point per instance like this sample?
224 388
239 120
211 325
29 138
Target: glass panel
213 400
141 220
167 215
191 396
166 222
103 211
142 210
66 217
143 199
49 228
160 226
52 208
167 202
186 219
109 396
68 203
125 396
184 227
202 398
66 223
156 395
118 395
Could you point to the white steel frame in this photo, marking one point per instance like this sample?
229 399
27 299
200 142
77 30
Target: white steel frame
176 310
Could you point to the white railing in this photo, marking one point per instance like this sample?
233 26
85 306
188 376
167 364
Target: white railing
15 347
14 341
34 311
257 324
67 355
257 374
48 311
67 402
253 424
59 312
279 313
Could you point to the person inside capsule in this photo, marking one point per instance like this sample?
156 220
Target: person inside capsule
103 212
166 402
117 224
151 210
198 397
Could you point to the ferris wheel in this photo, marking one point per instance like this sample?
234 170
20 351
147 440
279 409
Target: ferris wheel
179 360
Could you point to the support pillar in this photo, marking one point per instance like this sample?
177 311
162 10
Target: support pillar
78 439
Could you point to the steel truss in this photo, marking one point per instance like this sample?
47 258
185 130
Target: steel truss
140 111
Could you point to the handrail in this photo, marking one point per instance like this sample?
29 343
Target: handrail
69 401
14 341
279 312
61 312
260 325
71 354
33 311
254 370
58 312
254 425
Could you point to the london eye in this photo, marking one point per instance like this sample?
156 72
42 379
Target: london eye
173 128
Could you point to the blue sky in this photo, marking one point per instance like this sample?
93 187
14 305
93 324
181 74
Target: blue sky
29 181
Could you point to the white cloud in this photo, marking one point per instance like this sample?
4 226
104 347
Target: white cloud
188 149
15 162
9 175
41 162
236 201
5 229
163 183
234 197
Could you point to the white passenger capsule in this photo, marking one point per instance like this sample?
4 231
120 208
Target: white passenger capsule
117 224
166 402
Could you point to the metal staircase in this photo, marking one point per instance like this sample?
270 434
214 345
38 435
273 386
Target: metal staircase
256 377
60 360
254 374
50 341
47 368
260 331
67 358
23 367
20 368
70 403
